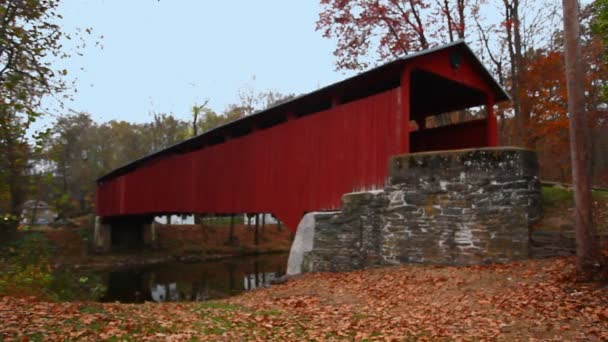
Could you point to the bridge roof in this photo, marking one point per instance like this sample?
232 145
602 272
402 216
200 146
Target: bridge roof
375 80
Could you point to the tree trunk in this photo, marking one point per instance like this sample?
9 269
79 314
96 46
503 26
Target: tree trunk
34 212
194 127
524 115
231 238
587 248
515 57
256 238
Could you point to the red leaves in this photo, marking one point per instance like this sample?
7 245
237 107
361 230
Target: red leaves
399 27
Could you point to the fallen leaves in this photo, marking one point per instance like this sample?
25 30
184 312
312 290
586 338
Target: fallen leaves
528 300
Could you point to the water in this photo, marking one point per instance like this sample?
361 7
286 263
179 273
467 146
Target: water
193 281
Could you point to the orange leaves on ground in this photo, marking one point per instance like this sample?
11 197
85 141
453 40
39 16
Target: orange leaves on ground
532 299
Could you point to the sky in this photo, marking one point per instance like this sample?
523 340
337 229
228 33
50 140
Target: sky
167 55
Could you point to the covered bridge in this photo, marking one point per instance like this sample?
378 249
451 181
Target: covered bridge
304 154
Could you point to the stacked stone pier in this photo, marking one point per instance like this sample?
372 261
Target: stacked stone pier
458 207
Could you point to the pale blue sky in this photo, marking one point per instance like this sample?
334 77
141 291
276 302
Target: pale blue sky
166 55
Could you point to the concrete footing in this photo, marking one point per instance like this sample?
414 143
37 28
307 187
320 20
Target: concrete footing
302 244
150 234
102 236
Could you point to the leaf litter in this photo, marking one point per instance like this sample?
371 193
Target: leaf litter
531 300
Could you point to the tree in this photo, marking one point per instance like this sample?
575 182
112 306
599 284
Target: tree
402 27
164 131
210 119
599 24
524 27
544 98
29 39
387 29
80 150
71 149
197 110
250 101
587 251
28 36
14 152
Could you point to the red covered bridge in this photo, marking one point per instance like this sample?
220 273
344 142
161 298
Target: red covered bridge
303 155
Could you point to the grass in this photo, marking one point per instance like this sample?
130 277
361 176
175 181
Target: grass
220 306
219 317
556 197
92 309
558 203
600 195
272 312
219 313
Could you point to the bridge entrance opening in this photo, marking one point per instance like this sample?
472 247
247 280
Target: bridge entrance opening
433 99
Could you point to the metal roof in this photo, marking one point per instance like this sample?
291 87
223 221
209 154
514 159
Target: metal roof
282 108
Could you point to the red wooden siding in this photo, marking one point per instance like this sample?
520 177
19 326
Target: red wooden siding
305 165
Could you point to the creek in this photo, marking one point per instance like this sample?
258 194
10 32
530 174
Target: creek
197 281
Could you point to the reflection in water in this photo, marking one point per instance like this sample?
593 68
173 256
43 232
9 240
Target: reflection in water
194 281
257 280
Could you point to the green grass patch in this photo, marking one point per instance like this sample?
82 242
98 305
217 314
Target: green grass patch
214 331
222 321
554 197
557 197
272 312
601 195
92 309
219 313
37 336
221 306
96 326
218 317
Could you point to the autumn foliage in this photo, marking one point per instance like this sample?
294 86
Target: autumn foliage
544 97
534 300
401 27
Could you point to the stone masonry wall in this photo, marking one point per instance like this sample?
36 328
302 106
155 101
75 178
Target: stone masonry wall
451 207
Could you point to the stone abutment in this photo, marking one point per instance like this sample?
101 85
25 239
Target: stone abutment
451 207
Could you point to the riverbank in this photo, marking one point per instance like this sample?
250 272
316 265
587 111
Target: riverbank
536 299
177 243
56 263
